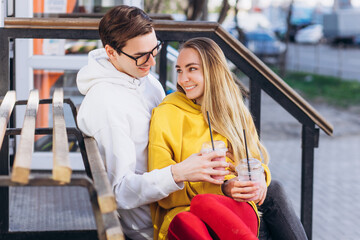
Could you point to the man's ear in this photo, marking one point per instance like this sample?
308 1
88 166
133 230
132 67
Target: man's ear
110 51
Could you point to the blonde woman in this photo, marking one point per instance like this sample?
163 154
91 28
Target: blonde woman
179 127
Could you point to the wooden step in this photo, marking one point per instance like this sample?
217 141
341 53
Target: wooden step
61 163
22 162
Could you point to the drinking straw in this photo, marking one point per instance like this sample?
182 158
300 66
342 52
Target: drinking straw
211 136
247 156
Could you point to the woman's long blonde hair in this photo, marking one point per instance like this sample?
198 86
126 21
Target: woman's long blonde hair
224 101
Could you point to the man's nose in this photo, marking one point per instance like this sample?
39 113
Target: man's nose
151 60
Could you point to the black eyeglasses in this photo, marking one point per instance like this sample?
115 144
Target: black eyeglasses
141 60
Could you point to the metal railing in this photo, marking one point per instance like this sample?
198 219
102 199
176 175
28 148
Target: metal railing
96 182
261 78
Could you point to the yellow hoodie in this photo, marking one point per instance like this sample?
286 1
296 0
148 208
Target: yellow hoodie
178 130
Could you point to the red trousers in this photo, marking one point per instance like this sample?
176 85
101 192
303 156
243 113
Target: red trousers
215 217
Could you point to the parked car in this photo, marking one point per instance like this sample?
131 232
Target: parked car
311 34
264 42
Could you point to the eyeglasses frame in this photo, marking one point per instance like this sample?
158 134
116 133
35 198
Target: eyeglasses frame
159 45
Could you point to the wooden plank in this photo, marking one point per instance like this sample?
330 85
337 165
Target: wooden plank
113 230
7 105
61 163
106 196
93 24
22 162
52 23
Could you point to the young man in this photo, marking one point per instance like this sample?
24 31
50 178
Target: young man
119 97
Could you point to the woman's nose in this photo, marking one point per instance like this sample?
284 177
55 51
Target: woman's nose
183 77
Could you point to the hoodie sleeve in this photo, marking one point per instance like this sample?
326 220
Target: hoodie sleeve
110 127
131 189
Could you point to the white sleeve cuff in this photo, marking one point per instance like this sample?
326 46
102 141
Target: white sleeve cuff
166 181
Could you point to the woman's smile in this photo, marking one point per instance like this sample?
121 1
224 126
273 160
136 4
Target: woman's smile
189 88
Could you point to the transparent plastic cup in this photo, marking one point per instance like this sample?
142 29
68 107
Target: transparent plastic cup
220 147
255 174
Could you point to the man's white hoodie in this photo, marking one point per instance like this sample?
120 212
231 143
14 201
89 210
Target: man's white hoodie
116 111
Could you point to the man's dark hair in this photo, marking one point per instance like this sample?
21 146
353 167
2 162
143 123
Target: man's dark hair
123 23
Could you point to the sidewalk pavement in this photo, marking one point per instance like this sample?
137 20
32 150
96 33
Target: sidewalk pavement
336 167
336 179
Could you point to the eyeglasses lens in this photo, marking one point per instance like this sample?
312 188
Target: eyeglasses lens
143 59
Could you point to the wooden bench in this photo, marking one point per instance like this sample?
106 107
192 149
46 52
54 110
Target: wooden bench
96 182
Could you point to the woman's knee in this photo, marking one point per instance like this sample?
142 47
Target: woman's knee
186 225
276 189
276 196
239 216
204 200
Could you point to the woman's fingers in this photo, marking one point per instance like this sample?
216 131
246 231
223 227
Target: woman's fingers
232 169
262 197
262 191
200 167
214 172
240 197
216 165
245 190
211 155
213 180
242 184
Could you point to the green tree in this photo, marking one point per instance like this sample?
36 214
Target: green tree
193 9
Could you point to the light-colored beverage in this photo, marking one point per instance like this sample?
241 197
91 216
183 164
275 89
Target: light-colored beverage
255 174
255 167
220 147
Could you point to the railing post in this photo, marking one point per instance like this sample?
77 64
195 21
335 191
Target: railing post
163 65
4 191
255 103
309 142
4 152
4 60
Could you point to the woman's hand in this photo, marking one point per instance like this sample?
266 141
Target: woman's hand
200 168
244 191
262 191
240 191
261 186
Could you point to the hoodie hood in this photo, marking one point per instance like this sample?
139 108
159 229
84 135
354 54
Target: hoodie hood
180 100
99 70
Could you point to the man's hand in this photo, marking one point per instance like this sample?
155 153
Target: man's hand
199 168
